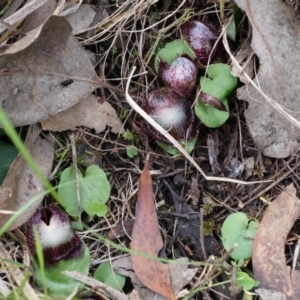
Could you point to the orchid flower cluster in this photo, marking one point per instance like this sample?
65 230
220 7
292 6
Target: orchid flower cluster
177 67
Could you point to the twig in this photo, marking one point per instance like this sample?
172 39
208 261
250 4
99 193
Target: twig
96 285
74 158
202 234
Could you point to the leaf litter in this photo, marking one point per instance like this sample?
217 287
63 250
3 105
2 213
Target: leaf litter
152 273
277 78
35 68
268 249
21 184
89 112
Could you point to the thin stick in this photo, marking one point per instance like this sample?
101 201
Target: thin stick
151 121
76 178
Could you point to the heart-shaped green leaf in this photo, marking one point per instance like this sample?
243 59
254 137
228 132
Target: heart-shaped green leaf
244 280
173 50
93 187
131 151
107 275
237 229
219 84
96 208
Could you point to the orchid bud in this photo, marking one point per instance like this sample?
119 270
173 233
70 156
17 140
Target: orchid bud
180 75
62 249
202 38
173 112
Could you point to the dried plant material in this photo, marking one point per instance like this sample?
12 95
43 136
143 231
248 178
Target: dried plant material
269 294
180 275
14 5
22 13
245 57
235 168
95 284
249 166
123 228
15 273
21 184
194 191
82 18
269 261
39 16
276 133
44 73
89 112
152 273
213 151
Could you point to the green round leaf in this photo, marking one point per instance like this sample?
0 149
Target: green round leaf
188 145
96 208
221 75
131 151
107 275
237 229
93 187
219 84
173 50
210 116
244 280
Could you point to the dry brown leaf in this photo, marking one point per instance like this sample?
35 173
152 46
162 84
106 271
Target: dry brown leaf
269 294
123 228
82 18
20 183
89 112
8 265
213 151
39 16
180 275
44 73
22 13
276 42
146 238
269 262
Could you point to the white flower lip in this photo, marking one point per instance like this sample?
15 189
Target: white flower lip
56 233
